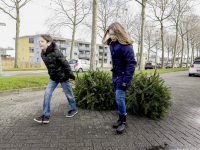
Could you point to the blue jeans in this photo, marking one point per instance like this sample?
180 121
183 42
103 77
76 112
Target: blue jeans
120 99
48 93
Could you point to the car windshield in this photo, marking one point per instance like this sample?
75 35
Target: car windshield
197 62
72 61
148 63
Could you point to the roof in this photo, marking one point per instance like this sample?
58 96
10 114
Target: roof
57 38
8 48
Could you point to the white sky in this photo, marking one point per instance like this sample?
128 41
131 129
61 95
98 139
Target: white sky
33 16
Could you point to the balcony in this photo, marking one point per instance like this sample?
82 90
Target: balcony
105 57
84 56
62 45
101 51
84 49
66 54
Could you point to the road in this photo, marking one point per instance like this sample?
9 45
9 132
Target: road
32 72
91 130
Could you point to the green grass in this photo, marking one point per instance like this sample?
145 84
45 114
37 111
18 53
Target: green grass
162 70
18 82
22 69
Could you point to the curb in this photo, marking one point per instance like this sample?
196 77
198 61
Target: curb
18 91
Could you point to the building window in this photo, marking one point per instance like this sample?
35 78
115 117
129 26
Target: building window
80 45
31 59
38 50
62 42
106 48
76 44
87 45
31 40
75 53
105 60
105 54
31 49
38 60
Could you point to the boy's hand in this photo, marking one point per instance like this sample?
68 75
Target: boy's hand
71 76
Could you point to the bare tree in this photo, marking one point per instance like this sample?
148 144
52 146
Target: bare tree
181 7
143 3
70 14
135 32
94 36
162 10
108 12
150 39
8 7
169 44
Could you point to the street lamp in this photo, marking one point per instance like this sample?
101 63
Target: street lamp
1 24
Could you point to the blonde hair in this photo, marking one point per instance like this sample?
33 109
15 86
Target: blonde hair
120 32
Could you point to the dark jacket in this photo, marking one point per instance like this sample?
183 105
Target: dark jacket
57 65
123 61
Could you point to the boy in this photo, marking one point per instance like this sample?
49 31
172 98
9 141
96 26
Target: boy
59 71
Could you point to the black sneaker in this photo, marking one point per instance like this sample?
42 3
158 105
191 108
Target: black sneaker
71 113
42 119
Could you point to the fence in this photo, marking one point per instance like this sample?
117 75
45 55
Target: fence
9 63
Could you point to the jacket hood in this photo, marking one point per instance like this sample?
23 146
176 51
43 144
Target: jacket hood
51 47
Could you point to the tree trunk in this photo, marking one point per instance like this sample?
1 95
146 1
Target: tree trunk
188 50
192 45
141 66
148 53
102 60
175 46
168 57
163 49
17 36
73 33
183 44
94 36
72 45
138 52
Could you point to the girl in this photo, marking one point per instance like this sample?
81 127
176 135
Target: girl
123 67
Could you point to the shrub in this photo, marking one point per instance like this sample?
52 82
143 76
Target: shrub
148 96
94 90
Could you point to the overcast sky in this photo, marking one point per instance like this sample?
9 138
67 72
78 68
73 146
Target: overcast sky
33 16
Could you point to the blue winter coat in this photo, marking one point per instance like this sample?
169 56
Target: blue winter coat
123 61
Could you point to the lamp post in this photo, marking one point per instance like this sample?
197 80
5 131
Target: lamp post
1 24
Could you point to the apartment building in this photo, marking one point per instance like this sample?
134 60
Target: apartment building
29 50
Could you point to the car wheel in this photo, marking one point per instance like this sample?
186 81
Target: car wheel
80 70
190 74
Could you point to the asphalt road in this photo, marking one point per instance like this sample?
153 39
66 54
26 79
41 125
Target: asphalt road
32 72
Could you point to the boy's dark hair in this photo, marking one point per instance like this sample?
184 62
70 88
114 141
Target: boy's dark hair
47 37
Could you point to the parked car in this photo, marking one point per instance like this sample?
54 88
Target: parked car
79 65
195 68
183 65
158 65
176 65
149 66
168 66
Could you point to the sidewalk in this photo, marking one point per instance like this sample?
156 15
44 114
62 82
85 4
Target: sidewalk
91 130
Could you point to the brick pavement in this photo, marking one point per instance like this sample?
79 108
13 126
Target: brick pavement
91 130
